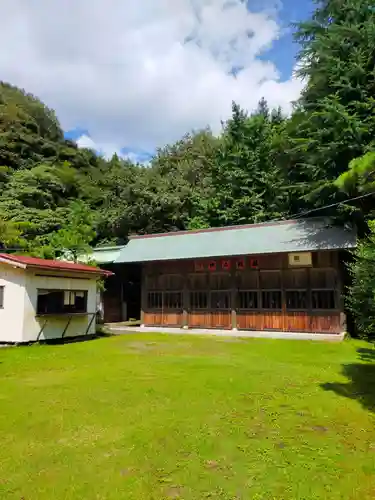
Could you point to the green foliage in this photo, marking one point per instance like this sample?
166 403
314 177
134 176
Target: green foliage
11 235
73 239
360 175
334 122
262 166
248 181
361 297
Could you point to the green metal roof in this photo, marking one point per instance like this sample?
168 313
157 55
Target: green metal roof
106 255
287 236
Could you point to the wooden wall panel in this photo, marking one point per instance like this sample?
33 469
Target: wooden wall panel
248 320
112 309
153 319
199 319
271 320
326 323
297 322
208 319
221 319
172 319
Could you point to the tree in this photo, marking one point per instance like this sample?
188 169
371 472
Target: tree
360 175
73 239
361 297
334 121
247 179
11 236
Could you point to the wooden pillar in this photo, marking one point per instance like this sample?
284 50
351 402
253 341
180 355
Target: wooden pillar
185 297
309 299
143 295
283 298
340 297
233 297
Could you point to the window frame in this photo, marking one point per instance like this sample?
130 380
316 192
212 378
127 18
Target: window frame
330 287
247 293
61 309
324 290
297 289
271 290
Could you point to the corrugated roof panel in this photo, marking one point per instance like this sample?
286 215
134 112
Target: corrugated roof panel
287 236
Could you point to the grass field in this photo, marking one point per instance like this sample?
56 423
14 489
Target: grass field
166 417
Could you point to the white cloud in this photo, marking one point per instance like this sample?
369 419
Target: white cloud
141 73
106 150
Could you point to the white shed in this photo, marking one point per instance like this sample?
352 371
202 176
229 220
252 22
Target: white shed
46 299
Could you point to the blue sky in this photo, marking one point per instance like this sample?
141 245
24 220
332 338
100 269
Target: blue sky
135 76
284 50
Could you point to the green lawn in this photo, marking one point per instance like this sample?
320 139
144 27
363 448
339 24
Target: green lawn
166 417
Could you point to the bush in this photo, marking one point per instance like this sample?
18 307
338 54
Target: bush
361 297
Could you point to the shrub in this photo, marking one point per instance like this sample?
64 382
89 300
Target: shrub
361 297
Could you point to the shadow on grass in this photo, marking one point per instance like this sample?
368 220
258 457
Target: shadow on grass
361 380
73 340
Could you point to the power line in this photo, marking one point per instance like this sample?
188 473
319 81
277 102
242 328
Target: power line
296 216
299 215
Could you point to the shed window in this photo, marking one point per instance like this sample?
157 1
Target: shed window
271 299
323 299
61 301
2 297
220 300
296 300
323 285
172 300
296 284
155 300
248 299
198 300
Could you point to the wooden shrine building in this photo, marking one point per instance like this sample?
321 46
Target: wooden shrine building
284 276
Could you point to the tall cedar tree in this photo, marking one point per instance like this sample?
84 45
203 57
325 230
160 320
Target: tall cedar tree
334 121
247 180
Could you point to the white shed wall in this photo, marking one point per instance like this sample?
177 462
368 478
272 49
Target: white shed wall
54 326
11 316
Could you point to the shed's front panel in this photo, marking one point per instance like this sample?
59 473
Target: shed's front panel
259 292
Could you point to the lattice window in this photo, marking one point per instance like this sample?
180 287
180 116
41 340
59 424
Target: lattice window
296 300
323 299
172 300
155 300
323 289
248 299
220 300
270 284
198 300
271 299
296 285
